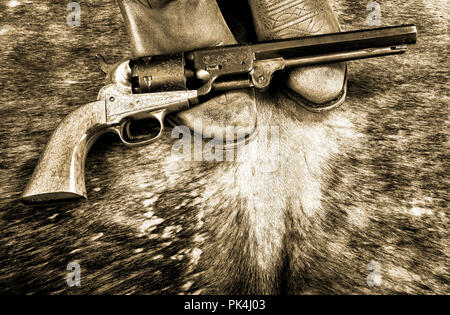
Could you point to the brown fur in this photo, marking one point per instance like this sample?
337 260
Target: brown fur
364 183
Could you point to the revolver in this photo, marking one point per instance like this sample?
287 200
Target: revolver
153 87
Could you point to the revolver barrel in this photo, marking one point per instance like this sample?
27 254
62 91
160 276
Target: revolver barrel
344 56
337 42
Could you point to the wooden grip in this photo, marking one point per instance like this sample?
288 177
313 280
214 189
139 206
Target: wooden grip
59 173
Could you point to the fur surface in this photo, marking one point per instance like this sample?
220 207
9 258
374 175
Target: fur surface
363 185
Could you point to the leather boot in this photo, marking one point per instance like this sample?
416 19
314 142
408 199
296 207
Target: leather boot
317 87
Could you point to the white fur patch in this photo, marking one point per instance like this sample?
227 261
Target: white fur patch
150 225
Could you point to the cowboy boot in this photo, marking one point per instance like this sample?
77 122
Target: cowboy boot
159 27
317 87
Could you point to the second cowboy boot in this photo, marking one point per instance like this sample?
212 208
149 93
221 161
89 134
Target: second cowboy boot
319 87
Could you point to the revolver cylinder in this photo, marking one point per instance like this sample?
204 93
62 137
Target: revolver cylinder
158 74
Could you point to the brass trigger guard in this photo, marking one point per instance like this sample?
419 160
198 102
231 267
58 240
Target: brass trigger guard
124 133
